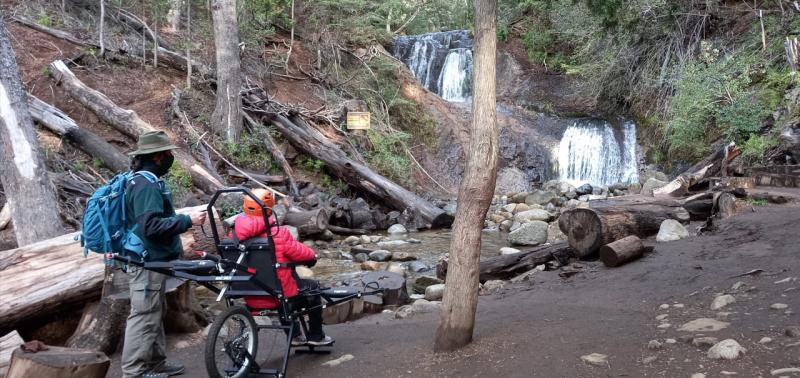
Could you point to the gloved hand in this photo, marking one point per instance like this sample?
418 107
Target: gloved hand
310 263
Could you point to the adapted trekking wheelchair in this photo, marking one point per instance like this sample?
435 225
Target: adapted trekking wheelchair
247 268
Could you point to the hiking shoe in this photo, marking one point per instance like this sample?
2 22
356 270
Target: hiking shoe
299 341
325 341
170 369
154 374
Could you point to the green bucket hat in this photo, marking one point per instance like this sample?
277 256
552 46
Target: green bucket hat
152 141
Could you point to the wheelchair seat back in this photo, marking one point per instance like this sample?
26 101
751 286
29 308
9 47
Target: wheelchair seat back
261 257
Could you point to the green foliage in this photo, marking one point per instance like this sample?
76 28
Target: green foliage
178 178
97 163
80 165
757 202
258 17
757 146
313 165
249 153
45 20
388 157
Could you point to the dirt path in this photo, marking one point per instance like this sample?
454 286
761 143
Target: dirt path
541 328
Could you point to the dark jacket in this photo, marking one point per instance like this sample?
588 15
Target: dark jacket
151 215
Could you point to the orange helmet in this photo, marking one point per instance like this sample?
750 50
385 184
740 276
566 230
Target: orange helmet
251 207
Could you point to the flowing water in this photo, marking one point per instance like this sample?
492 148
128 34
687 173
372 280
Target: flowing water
442 62
591 152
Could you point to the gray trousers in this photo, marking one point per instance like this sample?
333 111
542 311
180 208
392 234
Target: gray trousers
145 345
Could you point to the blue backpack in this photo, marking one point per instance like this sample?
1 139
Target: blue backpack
104 219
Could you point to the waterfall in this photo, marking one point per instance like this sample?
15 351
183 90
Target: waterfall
442 62
590 152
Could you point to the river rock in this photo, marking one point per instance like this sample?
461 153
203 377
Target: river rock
510 207
508 251
424 305
514 226
418 266
497 218
397 229
560 187
365 239
779 306
595 359
703 325
380 255
360 257
511 179
521 207
597 197
554 232
531 233
572 194
391 243
374 266
396 268
491 286
671 230
650 185
540 197
519 197
727 349
352 240
434 292
505 225
635 188
375 238
532 215
584 189
403 256
422 282
722 301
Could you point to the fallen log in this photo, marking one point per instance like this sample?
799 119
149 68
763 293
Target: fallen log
8 343
621 251
347 231
272 147
127 122
58 362
712 166
505 267
5 216
307 222
62 125
266 179
313 143
53 274
607 221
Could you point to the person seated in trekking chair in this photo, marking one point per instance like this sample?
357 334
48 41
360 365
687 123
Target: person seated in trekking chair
287 249
153 235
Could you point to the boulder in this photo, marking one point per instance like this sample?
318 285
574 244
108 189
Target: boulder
418 266
434 292
505 225
360 257
511 179
422 282
392 243
514 226
531 233
554 233
510 207
584 189
635 188
790 138
397 229
374 266
521 207
491 286
560 187
352 240
726 349
652 184
671 230
396 268
365 239
403 256
532 215
540 197
519 197
508 251
380 255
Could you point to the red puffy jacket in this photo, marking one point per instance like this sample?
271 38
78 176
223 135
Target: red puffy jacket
287 249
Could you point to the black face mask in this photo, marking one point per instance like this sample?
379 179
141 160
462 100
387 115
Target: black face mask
165 165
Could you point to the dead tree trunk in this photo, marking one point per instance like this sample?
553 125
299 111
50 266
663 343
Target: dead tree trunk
62 125
278 155
127 122
621 251
58 362
8 344
508 266
102 324
313 143
711 166
589 229
475 194
308 222
174 15
226 119
23 174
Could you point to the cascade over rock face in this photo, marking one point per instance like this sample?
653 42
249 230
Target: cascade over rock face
442 62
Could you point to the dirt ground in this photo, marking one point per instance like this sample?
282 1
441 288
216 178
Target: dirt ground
542 327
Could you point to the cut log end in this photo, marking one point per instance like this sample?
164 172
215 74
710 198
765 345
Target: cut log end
58 362
621 251
584 231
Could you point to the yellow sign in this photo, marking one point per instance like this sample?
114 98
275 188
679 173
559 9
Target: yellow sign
358 120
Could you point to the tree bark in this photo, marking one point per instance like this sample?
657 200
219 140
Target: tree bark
475 194
23 174
58 362
52 274
589 229
267 179
313 143
712 165
5 216
226 119
62 125
8 343
127 122
621 251
102 324
308 222
174 15
278 155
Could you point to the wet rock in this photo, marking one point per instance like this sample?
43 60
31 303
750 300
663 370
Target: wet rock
396 268
654 345
380 255
779 306
418 266
375 238
397 229
374 265
792 331
722 301
532 215
704 342
360 257
434 292
671 230
531 233
540 197
727 349
652 184
595 359
391 243
491 286
703 325
403 256
422 282
508 251
365 239
584 189
352 240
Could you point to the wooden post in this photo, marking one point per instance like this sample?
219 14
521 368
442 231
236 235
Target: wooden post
621 251
58 362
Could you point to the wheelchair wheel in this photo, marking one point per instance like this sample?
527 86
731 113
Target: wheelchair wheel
233 335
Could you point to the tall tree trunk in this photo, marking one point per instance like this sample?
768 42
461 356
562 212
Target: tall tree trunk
475 194
174 15
23 174
102 27
227 119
